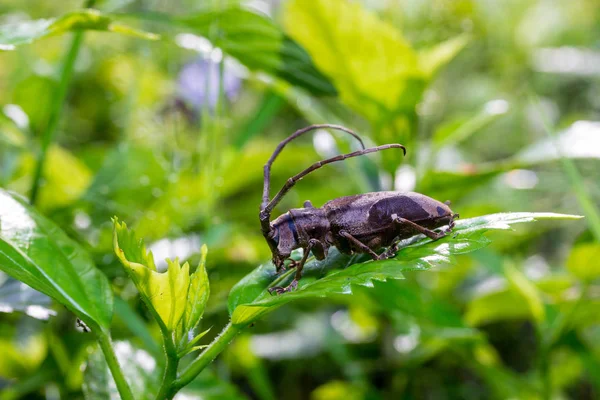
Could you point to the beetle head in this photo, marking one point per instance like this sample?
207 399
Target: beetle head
282 238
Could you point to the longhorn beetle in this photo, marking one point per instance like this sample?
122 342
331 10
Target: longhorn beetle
363 223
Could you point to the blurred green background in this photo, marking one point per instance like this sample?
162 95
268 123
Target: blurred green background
498 104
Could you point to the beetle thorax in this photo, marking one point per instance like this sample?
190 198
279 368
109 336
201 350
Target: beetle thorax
296 228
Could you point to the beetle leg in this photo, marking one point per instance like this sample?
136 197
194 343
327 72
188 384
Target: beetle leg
390 252
363 247
393 249
418 228
299 265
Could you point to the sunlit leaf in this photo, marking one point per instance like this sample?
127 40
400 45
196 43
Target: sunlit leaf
584 261
338 390
367 59
139 368
12 35
197 297
66 179
249 300
35 251
165 292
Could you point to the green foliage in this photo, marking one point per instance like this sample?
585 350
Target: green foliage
335 44
171 135
14 35
35 251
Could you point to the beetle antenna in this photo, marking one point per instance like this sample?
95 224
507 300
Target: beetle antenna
266 209
264 218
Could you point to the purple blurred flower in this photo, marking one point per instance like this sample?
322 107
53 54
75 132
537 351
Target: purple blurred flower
194 89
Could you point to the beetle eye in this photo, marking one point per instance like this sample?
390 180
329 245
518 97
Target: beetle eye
441 211
274 234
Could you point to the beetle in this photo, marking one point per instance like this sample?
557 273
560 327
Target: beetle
362 223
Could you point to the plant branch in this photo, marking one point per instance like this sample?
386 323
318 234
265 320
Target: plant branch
113 364
206 357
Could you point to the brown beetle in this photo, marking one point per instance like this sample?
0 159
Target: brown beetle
363 223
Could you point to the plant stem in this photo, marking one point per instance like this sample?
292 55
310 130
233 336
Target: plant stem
212 351
57 106
170 370
113 364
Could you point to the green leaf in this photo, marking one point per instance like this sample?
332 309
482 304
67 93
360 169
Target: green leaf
139 368
258 43
13 35
197 297
191 346
251 38
164 293
297 68
368 60
36 252
584 261
249 299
